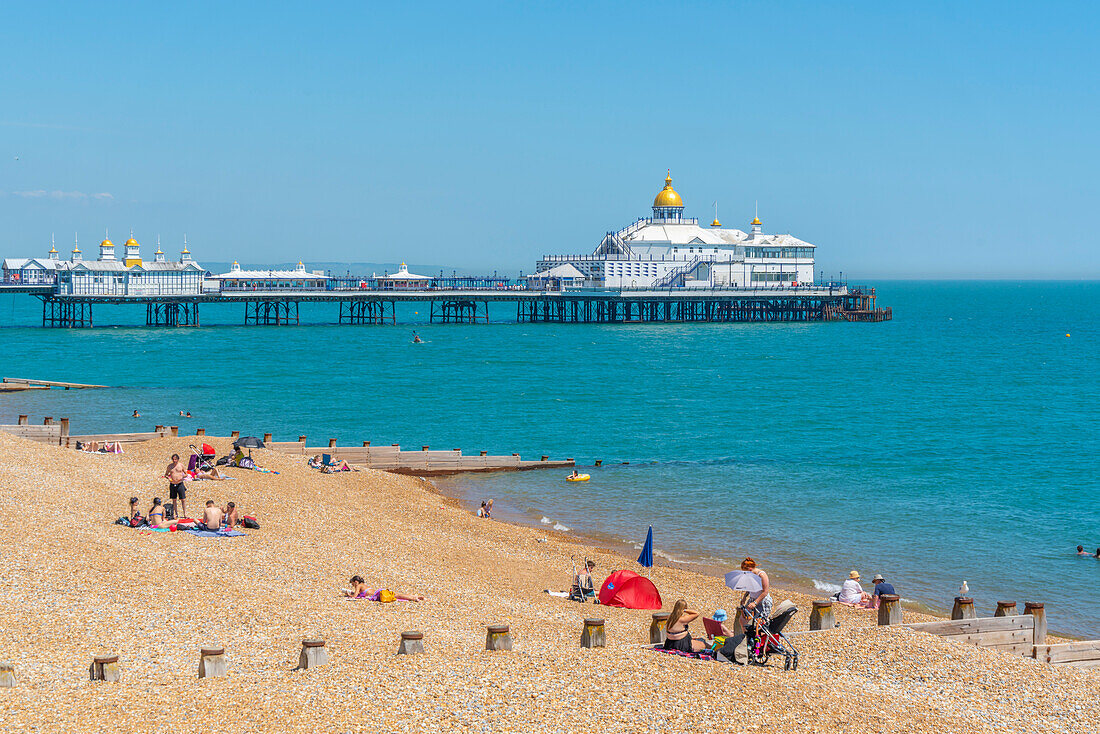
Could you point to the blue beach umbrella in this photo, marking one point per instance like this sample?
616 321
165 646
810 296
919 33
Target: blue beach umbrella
646 558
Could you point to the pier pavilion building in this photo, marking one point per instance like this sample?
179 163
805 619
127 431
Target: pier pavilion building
299 278
131 276
669 250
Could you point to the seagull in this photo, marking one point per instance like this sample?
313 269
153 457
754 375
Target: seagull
964 589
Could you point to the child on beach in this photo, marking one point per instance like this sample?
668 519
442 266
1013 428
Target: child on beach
360 590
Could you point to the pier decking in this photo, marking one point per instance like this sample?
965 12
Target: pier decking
829 302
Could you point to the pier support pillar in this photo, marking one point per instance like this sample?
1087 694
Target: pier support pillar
889 609
498 637
657 627
821 616
313 654
964 608
1005 609
593 633
412 643
1036 610
105 668
211 662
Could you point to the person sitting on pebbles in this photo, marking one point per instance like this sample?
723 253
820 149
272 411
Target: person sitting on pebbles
852 594
360 590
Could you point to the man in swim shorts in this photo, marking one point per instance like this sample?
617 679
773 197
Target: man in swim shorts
175 473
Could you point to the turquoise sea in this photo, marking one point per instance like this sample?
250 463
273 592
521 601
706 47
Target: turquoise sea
958 441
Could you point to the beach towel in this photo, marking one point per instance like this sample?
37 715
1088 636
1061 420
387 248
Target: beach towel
214 533
701 655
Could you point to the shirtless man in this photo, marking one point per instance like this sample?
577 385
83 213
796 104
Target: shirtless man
175 473
231 518
212 516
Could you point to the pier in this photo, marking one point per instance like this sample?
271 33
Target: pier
505 302
20 383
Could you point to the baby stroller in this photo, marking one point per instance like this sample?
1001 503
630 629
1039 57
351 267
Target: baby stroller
201 460
764 637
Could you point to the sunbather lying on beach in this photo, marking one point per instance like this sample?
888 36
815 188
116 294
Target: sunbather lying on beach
315 462
677 636
214 474
333 468
360 590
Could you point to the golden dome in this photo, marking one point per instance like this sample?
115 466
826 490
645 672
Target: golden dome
756 221
716 223
668 196
106 243
132 243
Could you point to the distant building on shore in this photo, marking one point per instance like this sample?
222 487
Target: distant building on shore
670 250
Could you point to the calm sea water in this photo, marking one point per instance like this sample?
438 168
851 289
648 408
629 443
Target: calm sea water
957 442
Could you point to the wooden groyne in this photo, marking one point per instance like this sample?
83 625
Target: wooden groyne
423 463
21 383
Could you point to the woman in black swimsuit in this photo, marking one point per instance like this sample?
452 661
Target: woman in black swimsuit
677 636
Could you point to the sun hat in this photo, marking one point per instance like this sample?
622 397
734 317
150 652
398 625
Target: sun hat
878 577
853 574
720 615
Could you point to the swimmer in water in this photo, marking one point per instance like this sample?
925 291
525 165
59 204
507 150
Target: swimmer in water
417 339
136 414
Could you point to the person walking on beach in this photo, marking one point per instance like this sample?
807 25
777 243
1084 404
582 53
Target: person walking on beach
175 474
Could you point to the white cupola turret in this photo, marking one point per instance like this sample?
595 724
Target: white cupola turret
133 251
235 267
107 249
300 267
158 256
77 256
53 249
185 254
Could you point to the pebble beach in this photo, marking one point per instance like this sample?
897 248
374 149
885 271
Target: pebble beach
74 585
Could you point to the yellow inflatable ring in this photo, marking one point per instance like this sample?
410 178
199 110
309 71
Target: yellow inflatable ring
578 478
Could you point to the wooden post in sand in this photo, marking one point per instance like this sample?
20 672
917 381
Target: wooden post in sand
821 616
593 633
64 427
174 430
267 438
412 643
332 443
657 627
423 448
483 453
366 444
22 420
158 428
498 637
964 608
200 431
1036 610
889 609
211 662
301 439
7 675
313 654
234 434
47 421
545 458
1005 609
105 668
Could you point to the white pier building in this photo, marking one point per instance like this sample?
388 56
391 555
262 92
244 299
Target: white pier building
668 250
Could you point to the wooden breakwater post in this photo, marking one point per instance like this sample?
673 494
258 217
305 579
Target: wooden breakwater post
22 420
267 438
1006 609
174 430
200 431
412 643
964 608
313 654
592 635
657 627
211 662
1037 610
64 427
234 434
7 675
889 609
498 637
332 443
105 668
821 615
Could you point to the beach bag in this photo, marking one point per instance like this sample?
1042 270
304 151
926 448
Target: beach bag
386 596
250 523
223 461
246 463
122 521
137 522
735 650
169 512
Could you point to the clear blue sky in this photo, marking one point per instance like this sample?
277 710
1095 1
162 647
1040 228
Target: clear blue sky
905 140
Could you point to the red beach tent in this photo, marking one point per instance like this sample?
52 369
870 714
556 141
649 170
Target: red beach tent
628 589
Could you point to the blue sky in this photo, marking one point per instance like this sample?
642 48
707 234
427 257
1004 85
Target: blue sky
905 140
